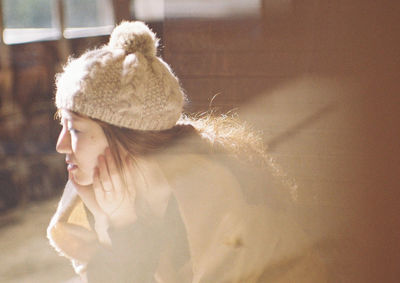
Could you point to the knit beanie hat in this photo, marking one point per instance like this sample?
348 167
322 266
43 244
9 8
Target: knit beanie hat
123 83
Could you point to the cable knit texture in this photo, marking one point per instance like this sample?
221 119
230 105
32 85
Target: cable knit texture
123 83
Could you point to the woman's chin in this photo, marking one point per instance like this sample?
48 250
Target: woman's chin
83 180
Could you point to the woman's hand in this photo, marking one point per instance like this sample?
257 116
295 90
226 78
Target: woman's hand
115 197
88 197
111 202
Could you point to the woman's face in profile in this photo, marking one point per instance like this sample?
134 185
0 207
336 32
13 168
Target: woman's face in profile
82 140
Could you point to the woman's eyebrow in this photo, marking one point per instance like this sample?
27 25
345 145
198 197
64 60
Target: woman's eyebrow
75 118
71 117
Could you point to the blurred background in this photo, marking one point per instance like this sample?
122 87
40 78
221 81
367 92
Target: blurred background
319 78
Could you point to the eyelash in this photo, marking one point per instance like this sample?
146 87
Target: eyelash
72 130
69 129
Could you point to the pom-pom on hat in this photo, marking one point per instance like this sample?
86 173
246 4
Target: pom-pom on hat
123 83
134 37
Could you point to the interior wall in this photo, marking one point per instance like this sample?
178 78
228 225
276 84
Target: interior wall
320 78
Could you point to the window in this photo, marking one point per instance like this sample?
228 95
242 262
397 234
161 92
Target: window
147 10
37 20
88 18
28 20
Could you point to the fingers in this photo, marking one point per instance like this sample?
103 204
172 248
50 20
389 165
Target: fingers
104 175
113 171
114 190
130 178
97 186
107 178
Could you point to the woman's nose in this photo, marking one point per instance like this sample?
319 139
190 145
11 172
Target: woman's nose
64 142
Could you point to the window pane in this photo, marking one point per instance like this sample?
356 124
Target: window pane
88 13
147 10
27 13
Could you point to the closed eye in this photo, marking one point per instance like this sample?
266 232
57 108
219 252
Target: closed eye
73 131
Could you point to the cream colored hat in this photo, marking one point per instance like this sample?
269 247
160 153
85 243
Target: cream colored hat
123 83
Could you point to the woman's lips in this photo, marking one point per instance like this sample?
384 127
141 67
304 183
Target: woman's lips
71 167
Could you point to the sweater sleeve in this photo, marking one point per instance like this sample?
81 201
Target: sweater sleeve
69 231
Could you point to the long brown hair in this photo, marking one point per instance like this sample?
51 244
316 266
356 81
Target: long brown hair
210 133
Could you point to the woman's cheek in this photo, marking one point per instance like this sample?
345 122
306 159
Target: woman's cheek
86 170
75 144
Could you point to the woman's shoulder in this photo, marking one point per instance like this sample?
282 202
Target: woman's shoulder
192 165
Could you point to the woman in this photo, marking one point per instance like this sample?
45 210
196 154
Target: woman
156 196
